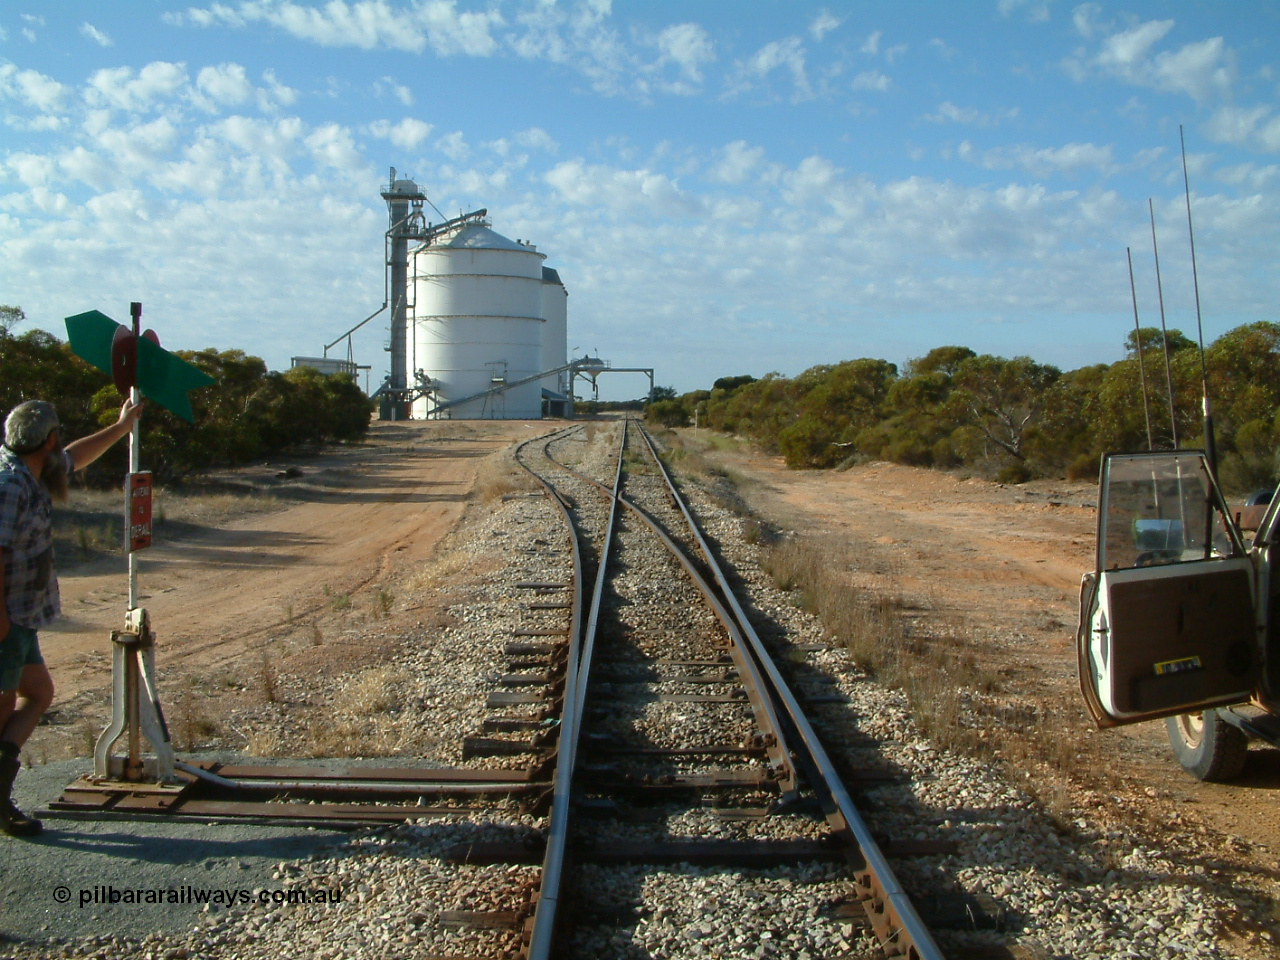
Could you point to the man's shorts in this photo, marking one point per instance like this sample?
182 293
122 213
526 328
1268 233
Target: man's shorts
19 649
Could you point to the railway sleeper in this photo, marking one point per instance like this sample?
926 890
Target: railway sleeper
517 724
528 649
516 698
473 747
602 744
726 676
525 679
723 660
757 778
974 912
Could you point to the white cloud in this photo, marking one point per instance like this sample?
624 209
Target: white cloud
688 46
823 24
30 169
32 88
136 151
1037 11
226 84
872 43
399 91
1068 159
120 88
945 50
454 146
871 80
274 141
1204 70
29 31
97 36
1085 19
535 138
275 94
620 192
406 134
1252 127
737 162
86 166
786 55
367 24
948 112
1129 49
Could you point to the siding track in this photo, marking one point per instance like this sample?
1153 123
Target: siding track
681 751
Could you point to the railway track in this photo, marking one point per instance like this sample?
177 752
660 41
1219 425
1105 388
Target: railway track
679 751
640 779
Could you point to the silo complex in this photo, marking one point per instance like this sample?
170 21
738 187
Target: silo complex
555 332
477 320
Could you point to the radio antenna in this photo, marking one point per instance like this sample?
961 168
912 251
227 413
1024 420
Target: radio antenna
1210 448
1137 340
1168 369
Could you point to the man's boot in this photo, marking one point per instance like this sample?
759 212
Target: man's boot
12 820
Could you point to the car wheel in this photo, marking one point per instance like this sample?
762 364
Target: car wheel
1207 746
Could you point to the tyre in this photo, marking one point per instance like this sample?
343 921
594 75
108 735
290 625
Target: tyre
1207 746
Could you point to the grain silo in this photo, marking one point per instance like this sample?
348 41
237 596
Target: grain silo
555 338
476 321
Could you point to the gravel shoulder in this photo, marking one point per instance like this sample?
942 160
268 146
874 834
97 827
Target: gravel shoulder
1001 565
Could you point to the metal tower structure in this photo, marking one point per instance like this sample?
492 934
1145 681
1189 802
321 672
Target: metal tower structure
404 223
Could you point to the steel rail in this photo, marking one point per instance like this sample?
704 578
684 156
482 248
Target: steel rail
782 765
344 787
892 914
581 647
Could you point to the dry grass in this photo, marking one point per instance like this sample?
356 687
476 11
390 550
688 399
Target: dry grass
374 692
269 678
194 727
958 701
499 476
436 572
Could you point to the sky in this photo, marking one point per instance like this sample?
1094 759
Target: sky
724 187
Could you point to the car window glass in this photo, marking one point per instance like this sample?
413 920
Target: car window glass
1161 510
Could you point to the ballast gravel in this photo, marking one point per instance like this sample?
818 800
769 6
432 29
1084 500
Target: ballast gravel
1074 892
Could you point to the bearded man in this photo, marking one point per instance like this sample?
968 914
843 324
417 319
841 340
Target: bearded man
34 471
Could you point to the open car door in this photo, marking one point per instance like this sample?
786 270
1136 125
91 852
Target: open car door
1168 621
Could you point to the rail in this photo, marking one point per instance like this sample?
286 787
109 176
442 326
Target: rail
581 647
888 907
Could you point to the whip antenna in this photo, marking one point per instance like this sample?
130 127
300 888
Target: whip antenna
1209 445
1137 340
1168 368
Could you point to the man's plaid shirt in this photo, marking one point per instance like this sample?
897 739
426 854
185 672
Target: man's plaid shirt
26 537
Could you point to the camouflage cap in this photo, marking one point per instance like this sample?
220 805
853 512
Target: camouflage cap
29 425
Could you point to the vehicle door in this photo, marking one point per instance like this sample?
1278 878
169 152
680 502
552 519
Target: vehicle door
1168 619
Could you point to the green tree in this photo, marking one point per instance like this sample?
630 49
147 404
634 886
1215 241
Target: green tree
944 360
730 384
1153 341
834 404
668 413
10 317
1002 399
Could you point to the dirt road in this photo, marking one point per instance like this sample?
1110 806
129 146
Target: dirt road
350 524
1005 562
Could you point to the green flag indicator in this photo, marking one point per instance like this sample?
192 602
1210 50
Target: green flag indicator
162 376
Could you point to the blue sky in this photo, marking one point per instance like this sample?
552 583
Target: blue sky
724 187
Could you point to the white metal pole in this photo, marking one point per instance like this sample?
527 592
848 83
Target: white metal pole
135 437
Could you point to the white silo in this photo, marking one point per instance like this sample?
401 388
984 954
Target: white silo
477 323
555 333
